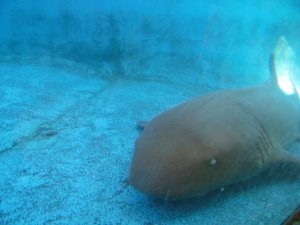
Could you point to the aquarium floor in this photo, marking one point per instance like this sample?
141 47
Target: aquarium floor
66 146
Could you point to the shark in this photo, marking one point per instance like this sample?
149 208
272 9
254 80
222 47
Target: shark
216 140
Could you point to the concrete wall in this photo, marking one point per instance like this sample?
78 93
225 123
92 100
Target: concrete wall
184 41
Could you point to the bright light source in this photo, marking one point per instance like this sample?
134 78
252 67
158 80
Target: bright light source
285 68
285 83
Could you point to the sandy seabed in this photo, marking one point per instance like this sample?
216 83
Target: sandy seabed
66 147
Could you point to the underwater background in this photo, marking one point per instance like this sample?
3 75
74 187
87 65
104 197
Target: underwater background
75 78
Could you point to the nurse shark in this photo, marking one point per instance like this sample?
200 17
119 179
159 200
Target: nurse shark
216 140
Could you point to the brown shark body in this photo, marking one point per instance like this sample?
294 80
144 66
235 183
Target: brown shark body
215 140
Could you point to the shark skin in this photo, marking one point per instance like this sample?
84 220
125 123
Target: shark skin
215 140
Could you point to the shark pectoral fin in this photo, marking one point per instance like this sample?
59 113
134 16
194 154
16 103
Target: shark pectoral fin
283 164
141 125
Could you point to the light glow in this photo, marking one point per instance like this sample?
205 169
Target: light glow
286 68
285 83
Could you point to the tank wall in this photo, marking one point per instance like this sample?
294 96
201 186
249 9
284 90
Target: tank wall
184 41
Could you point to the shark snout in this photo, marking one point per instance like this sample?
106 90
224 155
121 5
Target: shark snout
173 178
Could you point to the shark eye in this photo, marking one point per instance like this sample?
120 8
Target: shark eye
213 162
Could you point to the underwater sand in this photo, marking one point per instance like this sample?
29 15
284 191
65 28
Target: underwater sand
66 146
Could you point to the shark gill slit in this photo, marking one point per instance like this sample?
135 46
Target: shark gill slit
264 145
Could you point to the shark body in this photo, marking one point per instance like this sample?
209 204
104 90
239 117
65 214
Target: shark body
215 140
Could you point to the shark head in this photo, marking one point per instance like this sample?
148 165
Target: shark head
172 162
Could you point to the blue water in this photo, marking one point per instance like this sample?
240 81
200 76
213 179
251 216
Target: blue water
76 76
